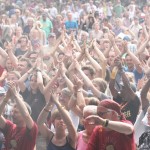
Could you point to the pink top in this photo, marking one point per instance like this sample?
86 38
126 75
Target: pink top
81 145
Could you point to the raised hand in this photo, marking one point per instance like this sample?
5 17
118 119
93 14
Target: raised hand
78 83
94 119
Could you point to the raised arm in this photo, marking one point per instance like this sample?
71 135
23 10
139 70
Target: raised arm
21 105
72 135
135 59
2 107
44 130
144 100
94 64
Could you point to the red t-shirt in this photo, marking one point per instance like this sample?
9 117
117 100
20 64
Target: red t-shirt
19 138
110 140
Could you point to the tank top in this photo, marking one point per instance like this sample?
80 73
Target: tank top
81 144
52 146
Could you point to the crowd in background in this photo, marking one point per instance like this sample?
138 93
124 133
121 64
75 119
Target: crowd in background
74 75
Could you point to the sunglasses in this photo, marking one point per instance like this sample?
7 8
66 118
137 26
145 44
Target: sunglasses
103 113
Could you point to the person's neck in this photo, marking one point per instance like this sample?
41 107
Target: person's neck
34 91
21 124
23 48
131 68
59 135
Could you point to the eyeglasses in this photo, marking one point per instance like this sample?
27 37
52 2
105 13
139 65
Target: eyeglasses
103 113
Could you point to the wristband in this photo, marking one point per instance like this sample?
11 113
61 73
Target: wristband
106 123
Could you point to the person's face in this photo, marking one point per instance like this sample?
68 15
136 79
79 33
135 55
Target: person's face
23 42
96 26
12 77
18 31
64 98
106 45
83 37
87 73
30 22
119 44
16 115
33 58
44 17
59 124
52 39
22 67
33 83
17 12
9 66
60 57
104 112
69 16
111 58
129 62
89 125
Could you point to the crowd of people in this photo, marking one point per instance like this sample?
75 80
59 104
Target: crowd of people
74 75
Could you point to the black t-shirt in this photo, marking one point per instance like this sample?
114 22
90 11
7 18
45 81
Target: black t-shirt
36 102
130 108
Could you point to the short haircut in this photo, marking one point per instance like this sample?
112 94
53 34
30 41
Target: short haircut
101 83
91 109
90 68
26 60
93 101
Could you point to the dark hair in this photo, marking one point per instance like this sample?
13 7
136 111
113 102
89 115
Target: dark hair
26 60
90 69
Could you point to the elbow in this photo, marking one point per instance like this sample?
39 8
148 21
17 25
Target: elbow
129 130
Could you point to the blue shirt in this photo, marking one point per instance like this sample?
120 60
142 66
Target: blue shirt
71 25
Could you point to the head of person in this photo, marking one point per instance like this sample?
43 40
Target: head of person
30 21
32 57
60 56
33 82
57 121
129 62
84 36
52 38
13 76
34 34
9 65
18 119
18 31
109 109
17 12
23 65
111 58
91 101
106 43
89 125
118 22
69 15
23 41
100 84
65 97
44 16
136 20
89 71
96 26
